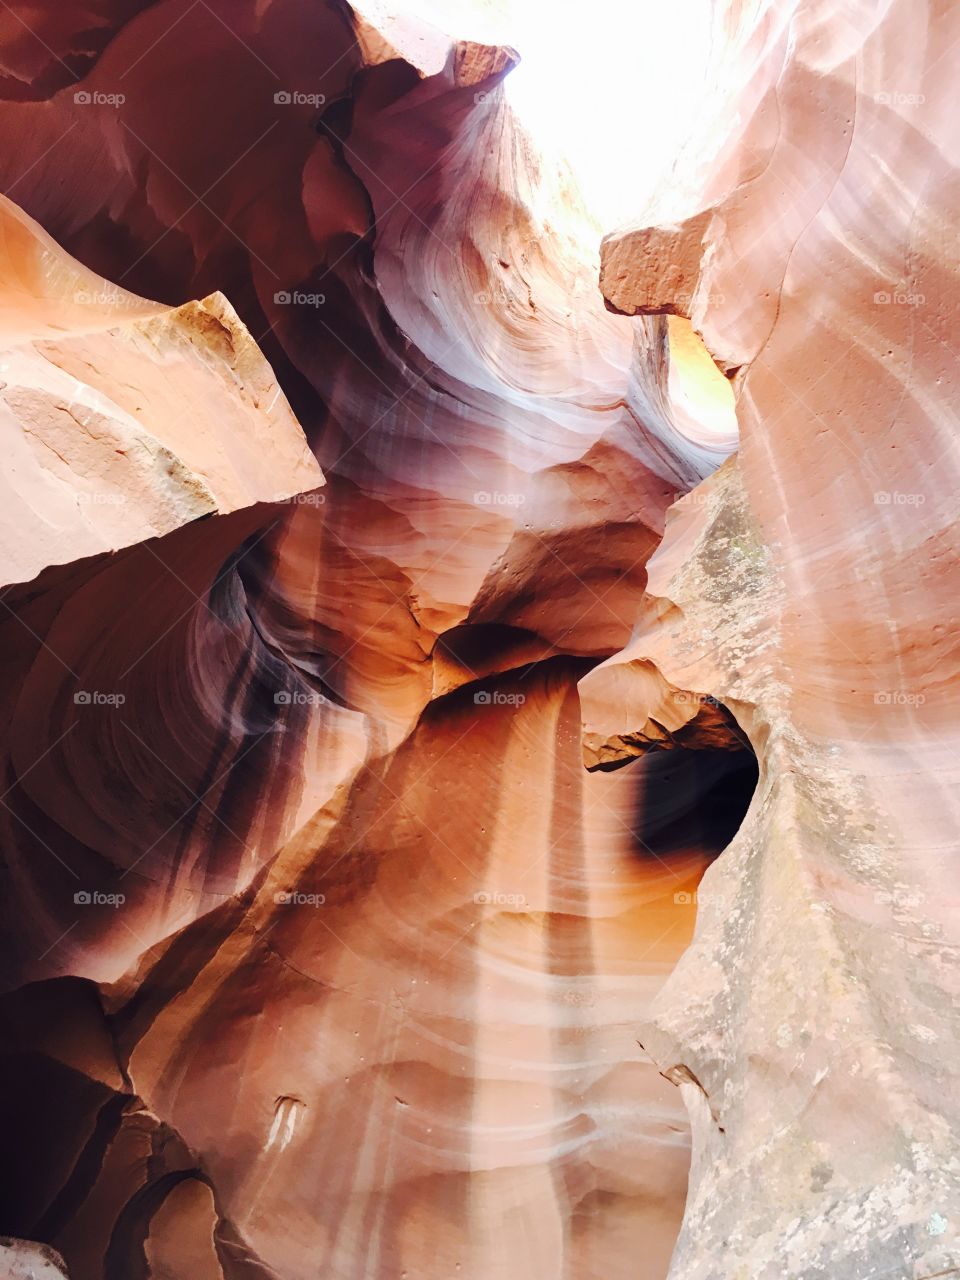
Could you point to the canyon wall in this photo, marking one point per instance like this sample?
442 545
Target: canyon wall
391 646
334 952
809 586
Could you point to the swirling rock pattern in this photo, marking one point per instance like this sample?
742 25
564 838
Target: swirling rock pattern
324 952
334 952
812 1026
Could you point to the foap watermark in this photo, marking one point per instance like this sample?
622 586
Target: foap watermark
97 98
685 302
694 898
296 98
97 698
106 298
490 898
898 698
901 899
101 499
294 898
696 498
894 98
894 498
898 298
498 498
94 898
486 698
695 699
298 298
298 698
300 499
580 997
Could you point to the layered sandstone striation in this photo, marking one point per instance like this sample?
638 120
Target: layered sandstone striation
328 573
812 1025
328 956
129 426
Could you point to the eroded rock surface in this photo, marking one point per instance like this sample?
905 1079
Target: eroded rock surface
812 1026
324 953
342 951
25 1260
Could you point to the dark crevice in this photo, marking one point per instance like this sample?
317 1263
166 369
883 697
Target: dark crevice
690 799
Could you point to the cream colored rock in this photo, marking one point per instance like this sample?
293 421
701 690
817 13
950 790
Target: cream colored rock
628 708
24 1260
124 419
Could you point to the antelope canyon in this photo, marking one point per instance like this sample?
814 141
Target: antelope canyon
479 716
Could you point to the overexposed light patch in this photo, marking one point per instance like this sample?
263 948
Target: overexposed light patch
613 87
287 1112
613 93
702 397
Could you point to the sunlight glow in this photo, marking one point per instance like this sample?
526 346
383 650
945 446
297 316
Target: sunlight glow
699 391
613 87
612 91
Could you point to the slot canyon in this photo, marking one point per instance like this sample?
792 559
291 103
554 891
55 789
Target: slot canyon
479 715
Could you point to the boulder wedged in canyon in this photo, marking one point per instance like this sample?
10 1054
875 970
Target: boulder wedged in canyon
325 953
813 1024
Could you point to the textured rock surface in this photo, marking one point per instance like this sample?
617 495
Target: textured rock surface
357 987
323 952
127 424
812 1026
25 1260
125 419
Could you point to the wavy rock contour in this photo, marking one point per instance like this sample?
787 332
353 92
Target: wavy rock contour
324 952
812 1023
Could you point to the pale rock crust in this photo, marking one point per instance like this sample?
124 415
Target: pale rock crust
24 1260
124 420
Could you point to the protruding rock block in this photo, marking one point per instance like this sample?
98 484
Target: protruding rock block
654 270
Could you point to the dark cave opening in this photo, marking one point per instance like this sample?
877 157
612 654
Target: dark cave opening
691 799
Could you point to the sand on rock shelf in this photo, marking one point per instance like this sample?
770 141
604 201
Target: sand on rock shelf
479 683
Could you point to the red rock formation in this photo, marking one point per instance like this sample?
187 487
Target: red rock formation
370 999
128 424
812 1025
324 953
